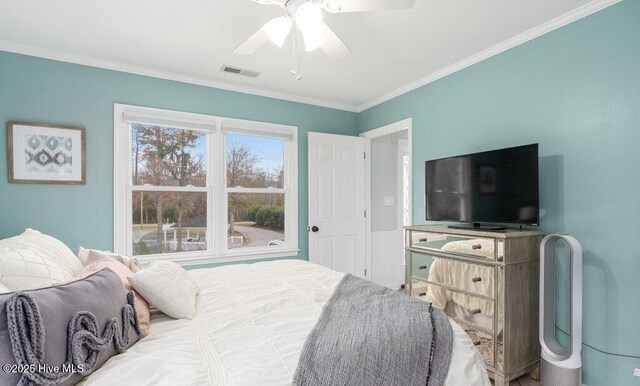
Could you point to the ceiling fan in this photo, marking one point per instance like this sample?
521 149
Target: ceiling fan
307 16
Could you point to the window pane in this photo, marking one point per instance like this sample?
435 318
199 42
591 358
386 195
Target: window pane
166 156
256 220
182 226
254 162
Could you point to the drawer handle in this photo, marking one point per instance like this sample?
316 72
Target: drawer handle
422 239
476 279
476 311
422 267
422 294
476 246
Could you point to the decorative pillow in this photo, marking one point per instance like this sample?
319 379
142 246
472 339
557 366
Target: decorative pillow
37 247
97 261
33 260
95 315
130 262
168 287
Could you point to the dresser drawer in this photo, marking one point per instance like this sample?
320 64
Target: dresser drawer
485 345
440 296
467 246
419 289
474 278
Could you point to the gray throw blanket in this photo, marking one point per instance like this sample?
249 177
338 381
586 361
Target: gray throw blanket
371 335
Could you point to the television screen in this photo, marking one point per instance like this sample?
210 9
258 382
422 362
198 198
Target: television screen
499 186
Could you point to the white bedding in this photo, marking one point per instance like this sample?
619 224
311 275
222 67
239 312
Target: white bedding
251 325
460 275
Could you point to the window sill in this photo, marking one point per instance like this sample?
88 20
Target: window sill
230 257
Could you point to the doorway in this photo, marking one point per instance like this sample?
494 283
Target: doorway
388 201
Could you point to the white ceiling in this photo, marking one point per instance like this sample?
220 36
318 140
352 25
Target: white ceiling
194 38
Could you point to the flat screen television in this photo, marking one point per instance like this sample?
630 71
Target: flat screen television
492 187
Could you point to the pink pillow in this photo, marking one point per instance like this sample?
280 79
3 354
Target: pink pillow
97 261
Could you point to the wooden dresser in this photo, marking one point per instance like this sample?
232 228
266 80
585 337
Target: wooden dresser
488 283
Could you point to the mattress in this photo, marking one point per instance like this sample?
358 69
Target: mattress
251 325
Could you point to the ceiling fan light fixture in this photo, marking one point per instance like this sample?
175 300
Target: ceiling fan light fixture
278 29
308 18
313 38
308 15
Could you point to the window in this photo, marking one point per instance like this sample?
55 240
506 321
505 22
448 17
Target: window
196 188
255 190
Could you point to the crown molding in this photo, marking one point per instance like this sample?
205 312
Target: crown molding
166 75
569 17
553 24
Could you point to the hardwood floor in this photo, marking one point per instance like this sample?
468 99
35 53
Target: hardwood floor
524 380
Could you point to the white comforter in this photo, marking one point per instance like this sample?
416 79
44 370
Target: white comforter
251 325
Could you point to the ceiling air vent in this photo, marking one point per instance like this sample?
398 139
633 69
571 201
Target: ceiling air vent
239 71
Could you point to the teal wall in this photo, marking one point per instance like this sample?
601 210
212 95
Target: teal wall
40 90
576 92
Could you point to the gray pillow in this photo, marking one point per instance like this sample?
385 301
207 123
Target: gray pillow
80 324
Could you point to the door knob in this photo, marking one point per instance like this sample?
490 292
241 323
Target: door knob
314 229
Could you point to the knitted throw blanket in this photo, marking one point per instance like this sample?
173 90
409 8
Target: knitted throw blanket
371 335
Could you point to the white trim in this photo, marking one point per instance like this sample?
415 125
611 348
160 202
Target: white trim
367 208
154 188
168 75
179 120
405 124
271 130
217 251
240 189
544 28
558 22
403 145
120 200
389 129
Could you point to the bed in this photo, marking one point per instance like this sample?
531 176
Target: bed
250 328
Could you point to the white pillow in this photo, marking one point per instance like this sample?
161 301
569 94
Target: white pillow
3 289
130 262
34 260
168 287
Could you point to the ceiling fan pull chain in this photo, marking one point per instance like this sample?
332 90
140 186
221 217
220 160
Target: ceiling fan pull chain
299 73
296 56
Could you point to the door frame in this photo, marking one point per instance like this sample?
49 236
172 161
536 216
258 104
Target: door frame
403 143
405 124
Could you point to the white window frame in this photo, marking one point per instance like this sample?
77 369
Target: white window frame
216 189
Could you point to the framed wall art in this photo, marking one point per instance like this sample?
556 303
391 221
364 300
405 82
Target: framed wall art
46 154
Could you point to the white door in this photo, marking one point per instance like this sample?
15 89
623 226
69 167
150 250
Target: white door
337 202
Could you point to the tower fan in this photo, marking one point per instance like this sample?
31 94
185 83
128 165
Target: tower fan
559 365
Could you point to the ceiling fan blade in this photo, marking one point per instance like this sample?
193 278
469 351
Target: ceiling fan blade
252 44
333 46
275 30
339 6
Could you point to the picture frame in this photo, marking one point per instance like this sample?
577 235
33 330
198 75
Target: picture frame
41 153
